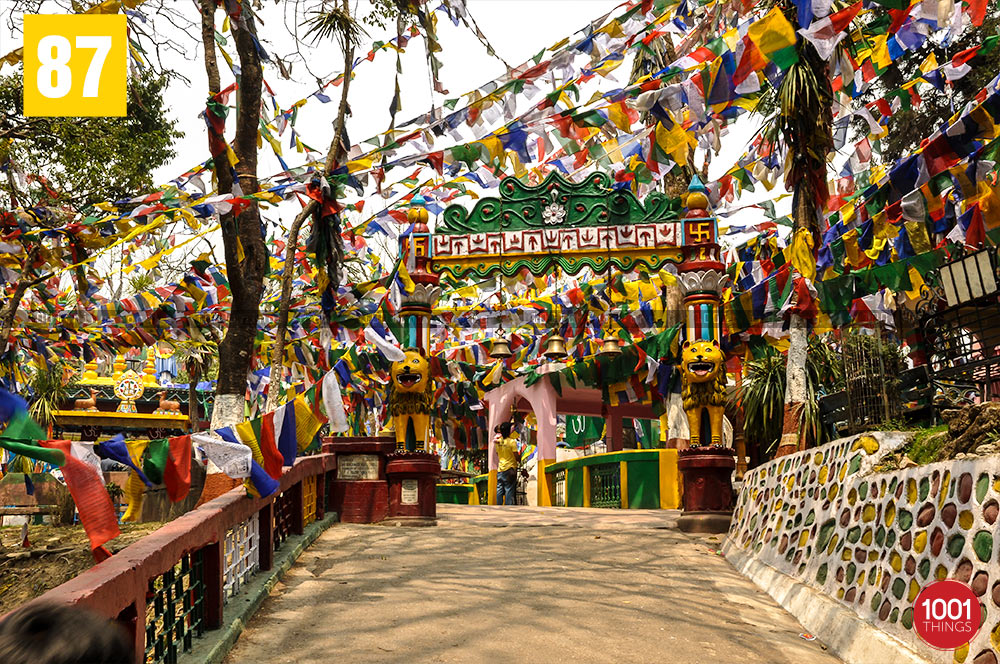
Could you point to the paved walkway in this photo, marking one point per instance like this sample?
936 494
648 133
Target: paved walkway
521 584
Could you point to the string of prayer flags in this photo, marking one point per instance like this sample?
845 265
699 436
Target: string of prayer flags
86 486
118 450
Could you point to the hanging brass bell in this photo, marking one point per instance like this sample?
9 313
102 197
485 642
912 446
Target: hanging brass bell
609 346
555 348
500 349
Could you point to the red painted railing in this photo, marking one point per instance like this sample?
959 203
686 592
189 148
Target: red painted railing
181 567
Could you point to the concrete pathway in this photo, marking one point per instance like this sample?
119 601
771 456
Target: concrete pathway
521 584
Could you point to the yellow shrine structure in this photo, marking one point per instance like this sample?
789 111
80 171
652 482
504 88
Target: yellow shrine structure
128 397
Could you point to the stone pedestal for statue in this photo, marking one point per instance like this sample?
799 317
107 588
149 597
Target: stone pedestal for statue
360 492
708 489
413 478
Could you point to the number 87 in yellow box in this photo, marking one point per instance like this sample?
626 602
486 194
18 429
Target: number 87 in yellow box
75 65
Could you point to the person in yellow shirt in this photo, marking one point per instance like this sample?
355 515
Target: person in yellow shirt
506 447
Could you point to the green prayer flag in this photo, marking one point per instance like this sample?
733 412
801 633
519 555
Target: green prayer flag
23 429
156 460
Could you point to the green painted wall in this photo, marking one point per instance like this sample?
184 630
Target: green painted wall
643 485
631 456
574 487
457 494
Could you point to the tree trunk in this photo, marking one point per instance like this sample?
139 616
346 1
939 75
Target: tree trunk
288 272
246 277
796 392
194 375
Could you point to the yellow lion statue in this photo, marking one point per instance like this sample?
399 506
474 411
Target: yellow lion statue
410 396
703 388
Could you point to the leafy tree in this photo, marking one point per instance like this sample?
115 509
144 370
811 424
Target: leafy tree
68 165
79 162
914 122
801 117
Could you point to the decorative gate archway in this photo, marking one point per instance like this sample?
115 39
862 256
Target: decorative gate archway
569 226
566 226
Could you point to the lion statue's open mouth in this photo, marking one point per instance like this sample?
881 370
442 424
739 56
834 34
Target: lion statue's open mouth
701 368
408 379
702 361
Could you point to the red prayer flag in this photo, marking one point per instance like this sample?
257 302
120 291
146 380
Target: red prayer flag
962 57
750 61
269 448
177 474
975 234
86 486
977 11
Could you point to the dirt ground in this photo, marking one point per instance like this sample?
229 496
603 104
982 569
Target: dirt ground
24 577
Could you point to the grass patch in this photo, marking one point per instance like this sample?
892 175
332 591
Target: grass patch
926 445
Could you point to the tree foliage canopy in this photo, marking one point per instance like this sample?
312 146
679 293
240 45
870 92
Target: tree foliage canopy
85 160
908 126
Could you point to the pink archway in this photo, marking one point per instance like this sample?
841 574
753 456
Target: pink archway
545 402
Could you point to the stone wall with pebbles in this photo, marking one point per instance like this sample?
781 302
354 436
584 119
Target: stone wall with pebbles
872 540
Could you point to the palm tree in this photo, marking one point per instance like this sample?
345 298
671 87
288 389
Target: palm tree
801 117
50 386
762 394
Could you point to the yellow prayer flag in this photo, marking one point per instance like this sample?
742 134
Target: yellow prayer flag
612 29
619 117
494 375
134 487
404 278
772 32
493 146
607 67
917 231
801 254
916 282
275 145
930 63
880 56
359 165
306 423
851 249
673 141
878 245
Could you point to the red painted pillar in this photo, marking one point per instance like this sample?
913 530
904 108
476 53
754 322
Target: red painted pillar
321 495
213 571
295 495
265 526
359 492
615 439
412 478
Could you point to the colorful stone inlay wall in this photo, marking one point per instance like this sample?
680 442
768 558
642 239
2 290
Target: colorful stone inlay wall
873 540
